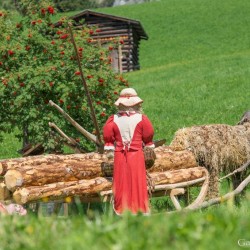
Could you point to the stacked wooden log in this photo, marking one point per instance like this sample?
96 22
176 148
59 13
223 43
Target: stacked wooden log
54 177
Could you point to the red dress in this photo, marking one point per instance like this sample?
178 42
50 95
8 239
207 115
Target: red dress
127 133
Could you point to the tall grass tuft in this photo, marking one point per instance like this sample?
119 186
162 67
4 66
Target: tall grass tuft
215 228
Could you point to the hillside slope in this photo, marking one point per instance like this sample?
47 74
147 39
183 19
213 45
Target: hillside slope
195 67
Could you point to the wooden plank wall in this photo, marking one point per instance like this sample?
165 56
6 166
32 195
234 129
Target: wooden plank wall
114 29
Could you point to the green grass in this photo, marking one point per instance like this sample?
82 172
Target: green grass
216 228
9 146
195 65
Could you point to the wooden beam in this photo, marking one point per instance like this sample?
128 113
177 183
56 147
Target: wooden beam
120 59
83 131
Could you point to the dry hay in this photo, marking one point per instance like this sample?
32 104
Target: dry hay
219 148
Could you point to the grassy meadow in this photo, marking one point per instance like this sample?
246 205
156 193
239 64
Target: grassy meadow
195 69
213 229
195 65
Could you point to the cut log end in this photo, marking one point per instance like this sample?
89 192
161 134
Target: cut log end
21 196
13 179
4 192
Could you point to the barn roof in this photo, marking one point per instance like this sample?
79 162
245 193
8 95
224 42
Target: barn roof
136 25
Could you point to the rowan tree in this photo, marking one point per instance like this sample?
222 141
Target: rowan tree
38 64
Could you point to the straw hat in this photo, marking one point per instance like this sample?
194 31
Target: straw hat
128 97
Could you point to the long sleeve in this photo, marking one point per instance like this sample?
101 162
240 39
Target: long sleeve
108 134
147 132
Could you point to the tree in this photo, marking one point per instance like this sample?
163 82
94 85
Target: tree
8 4
64 5
38 64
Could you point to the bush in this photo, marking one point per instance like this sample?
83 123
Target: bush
38 64
64 5
8 4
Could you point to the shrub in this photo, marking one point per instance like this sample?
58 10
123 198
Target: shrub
38 64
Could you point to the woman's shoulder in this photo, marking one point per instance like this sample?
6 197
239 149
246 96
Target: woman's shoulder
110 119
144 117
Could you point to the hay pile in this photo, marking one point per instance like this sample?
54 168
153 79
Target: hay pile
219 148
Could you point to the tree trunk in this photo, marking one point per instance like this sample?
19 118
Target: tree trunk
56 172
166 159
62 189
40 170
50 160
25 135
56 168
92 188
178 175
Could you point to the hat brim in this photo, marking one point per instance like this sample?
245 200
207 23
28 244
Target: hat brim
128 101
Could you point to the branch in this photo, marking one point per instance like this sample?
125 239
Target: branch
72 143
179 185
242 168
75 124
69 139
225 197
92 110
202 195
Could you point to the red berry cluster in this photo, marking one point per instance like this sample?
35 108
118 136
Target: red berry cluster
51 10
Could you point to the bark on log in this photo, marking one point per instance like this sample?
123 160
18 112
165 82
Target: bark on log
4 192
178 175
166 159
62 189
58 172
35 161
36 171
92 188
43 171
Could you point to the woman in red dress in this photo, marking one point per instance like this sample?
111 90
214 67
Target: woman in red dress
126 133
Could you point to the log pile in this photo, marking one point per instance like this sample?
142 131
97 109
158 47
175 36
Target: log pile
55 177
92 187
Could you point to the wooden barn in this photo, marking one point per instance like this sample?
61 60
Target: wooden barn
130 32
